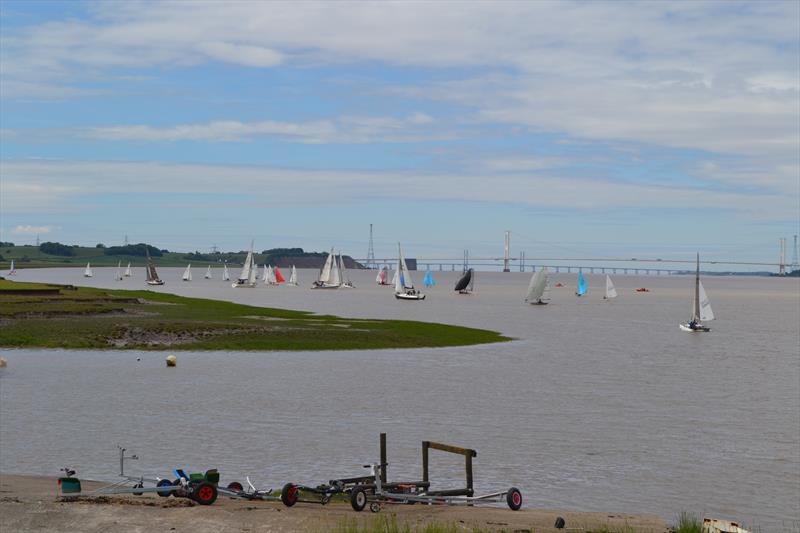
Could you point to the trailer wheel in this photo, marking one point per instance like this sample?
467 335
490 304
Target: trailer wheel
138 486
289 494
235 485
204 493
514 498
375 507
164 483
358 499
178 493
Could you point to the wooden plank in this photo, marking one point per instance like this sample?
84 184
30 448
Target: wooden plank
450 449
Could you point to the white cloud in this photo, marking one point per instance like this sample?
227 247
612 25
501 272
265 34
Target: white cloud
250 56
264 184
31 230
347 129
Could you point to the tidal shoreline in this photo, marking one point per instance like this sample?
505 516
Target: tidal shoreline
29 503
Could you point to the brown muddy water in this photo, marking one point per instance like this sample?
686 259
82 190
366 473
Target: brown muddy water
597 406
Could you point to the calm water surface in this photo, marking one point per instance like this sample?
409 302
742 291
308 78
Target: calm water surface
597 405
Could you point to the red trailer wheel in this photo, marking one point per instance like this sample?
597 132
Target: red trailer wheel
514 498
235 485
289 494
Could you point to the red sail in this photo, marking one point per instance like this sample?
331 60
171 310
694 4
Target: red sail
278 277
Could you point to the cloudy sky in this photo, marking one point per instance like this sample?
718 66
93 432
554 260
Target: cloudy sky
586 128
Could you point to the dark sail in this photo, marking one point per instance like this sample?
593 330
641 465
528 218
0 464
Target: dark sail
465 280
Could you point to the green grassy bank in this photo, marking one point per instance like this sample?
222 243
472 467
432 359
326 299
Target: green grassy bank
37 316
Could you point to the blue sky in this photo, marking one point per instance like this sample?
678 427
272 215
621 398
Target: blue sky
594 129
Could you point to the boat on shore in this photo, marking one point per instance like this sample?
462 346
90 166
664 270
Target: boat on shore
538 288
701 307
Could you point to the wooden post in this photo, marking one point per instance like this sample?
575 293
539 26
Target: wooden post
425 445
383 457
468 465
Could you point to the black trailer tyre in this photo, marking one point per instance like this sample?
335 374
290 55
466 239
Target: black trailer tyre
178 493
138 486
514 499
289 494
358 499
164 483
375 507
204 493
235 485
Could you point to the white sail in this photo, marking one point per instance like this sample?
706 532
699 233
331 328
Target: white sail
398 286
128 272
611 292
187 274
252 274
244 276
88 271
12 270
226 276
537 287
208 272
394 276
336 276
343 273
118 275
293 276
403 279
325 273
271 278
264 274
706 314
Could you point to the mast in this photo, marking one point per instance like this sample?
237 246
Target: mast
696 306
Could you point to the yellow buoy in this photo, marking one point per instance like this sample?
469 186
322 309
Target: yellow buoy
172 360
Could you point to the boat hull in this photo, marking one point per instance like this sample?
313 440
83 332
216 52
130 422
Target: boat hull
696 329
245 285
538 303
404 296
324 286
154 282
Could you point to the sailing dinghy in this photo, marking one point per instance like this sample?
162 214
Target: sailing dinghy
271 279
226 276
466 284
346 283
428 280
404 285
329 274
247 277
118 275
87 273
293 277
128 272
537 288
208 272
383 277
12 271
611 291
277 275
187 274
152 276
581 290
701 307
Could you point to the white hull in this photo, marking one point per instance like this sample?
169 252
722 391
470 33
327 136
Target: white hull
324 286
155 282
348 285
406 296
245 285
697 329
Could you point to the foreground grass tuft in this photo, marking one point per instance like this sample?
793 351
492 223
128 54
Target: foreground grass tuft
688 523
388 524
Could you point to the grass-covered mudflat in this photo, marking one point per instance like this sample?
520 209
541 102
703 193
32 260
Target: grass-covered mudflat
36 316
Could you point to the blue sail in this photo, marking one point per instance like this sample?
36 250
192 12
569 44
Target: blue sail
429 281
581 284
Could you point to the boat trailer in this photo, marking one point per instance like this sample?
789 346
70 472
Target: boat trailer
381 494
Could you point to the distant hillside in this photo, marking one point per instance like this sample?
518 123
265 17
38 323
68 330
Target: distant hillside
53 254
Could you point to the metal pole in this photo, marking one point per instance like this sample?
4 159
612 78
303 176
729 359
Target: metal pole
506 251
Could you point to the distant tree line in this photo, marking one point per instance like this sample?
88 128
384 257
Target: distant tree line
6 244
56 248
140 249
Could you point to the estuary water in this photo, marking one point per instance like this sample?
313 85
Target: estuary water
595 406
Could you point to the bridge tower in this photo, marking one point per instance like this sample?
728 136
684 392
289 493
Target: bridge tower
370 252
795 261
506 251
782 263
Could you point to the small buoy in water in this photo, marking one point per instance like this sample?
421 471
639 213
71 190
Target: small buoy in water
172 360
3 362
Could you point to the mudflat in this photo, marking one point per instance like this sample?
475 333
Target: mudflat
31 503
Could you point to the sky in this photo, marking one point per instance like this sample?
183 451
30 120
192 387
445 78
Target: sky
587 129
